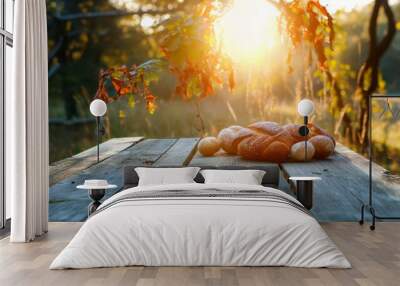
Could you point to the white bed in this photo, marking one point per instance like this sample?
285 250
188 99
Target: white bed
185 230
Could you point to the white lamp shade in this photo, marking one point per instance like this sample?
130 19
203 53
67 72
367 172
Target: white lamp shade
305 107
98 107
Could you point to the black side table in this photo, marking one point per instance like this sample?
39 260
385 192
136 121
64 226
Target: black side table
304 190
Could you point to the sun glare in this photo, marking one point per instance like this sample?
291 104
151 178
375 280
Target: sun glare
248 30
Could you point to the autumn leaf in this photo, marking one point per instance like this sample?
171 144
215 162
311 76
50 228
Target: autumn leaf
150 101
130 81
121 87
308 21
189 46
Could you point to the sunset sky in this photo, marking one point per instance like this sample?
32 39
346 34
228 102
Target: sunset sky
257 33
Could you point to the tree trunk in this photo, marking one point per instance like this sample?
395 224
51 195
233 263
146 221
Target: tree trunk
368 76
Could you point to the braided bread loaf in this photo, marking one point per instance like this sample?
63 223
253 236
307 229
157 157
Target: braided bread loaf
268 141
230 137
265 148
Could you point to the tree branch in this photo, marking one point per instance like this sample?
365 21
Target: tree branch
115 13
382 46
372 44
387 40
119 13
376 51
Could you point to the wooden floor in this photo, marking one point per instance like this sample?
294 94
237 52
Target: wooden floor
375 257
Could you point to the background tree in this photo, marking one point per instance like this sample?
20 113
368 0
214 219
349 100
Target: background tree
368 75
350 90
84 35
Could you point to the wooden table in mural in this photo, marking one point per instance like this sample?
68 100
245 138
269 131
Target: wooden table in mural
337 197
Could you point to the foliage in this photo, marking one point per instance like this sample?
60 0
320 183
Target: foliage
194 56
346 99
310 22
190 46
129 81
341 87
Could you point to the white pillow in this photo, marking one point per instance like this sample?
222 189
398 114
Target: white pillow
165 176
248 177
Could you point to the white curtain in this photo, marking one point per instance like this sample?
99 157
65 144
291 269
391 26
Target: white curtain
27 124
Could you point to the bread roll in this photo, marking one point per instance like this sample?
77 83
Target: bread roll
208 146
315 130
324 146
297 152
230 137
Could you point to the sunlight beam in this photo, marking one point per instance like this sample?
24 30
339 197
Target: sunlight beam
248 30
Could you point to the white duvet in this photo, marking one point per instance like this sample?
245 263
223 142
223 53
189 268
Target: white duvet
200 231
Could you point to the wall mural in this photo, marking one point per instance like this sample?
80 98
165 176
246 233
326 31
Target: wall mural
189 68
230 83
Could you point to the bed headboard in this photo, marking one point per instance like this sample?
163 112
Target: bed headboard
271 178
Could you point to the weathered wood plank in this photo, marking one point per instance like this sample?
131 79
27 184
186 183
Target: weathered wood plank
73 165
69 204
223 159
344 186
391 182
180 154
331 200
219 159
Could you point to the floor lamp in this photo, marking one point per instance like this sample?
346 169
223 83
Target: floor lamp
369 206
305 108
98 108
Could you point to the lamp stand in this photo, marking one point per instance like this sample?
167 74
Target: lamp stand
98 138
305 141
303 131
